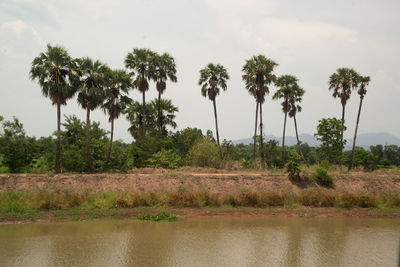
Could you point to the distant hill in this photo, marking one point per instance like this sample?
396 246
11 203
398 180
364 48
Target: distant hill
363 140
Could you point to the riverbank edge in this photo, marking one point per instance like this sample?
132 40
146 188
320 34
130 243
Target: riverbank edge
197 213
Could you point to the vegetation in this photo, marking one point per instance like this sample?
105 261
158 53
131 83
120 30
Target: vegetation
361 91
155 144
329 133
14 203
322 177
212 79
162 216
342 82
55 71
257 77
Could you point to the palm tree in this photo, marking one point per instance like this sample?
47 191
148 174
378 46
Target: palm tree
116 99
165 113
362 91
91 92
212 79
142 61
294 107
165 69
55 71
134 111
258 76
342 82
286 84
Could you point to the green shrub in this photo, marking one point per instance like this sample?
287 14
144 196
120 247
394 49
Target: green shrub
13 202
162 216
205 153
247 163
324 164
293 169
369 162
3 167
322 177
165 158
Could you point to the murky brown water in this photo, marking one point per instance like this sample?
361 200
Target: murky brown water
204 242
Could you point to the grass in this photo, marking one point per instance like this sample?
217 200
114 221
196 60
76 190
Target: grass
18 202
162 216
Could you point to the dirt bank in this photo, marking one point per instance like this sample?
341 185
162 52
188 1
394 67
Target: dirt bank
191 179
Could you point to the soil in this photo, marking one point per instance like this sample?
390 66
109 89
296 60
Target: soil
198 179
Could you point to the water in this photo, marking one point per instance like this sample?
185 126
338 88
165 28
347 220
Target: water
204 242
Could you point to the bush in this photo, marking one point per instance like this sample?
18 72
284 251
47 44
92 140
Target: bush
322 177
292 167
165 158
162 216
205 153
13 202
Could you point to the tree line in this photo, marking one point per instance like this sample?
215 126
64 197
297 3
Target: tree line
96 85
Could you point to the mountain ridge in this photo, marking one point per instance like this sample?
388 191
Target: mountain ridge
364 140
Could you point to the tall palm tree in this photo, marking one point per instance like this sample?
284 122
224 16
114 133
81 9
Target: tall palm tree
142 61
165 69
212 79
342 82
91 92
116 99
286 84
294 107
257 77
55 71
362 91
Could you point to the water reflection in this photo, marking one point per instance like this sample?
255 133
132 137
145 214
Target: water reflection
205 242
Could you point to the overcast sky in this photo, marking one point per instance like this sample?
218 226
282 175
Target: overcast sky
309 39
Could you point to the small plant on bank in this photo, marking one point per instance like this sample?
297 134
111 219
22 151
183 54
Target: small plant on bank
322 177
162 216
293 169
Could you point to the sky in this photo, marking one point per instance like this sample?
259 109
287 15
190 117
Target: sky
309 39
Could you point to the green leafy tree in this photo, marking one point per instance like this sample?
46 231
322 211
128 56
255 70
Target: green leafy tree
165 69
329 133
342 82
55 71
18 149
257 77
212 79
142 62
73 140
91 92
184 140
117 87
364 81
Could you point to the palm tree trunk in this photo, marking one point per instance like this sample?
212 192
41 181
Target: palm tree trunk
89 158
261 139
355 134
58 152
341 134
283 138
111 143
298 141
159 112
144 114
216 120
255 137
